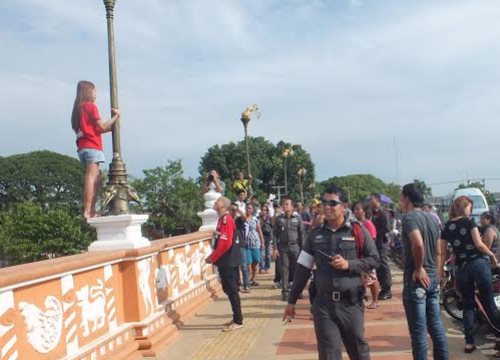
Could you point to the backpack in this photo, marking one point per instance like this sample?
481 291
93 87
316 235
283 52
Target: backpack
239 237
357 231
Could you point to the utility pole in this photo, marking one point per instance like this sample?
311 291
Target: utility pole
278 188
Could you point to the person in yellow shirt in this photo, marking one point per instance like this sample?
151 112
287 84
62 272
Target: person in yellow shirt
243 184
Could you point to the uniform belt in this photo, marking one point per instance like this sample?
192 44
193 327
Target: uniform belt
335 295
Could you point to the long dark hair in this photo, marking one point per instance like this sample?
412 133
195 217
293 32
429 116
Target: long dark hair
83 93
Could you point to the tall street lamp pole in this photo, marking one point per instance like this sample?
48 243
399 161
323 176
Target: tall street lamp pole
118 193
245 119
287 152
301 173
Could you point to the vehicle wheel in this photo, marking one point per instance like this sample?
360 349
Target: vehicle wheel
453 305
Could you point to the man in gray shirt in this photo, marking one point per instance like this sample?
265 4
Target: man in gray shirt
421 281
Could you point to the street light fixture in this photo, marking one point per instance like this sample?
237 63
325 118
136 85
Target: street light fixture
118 192
246 116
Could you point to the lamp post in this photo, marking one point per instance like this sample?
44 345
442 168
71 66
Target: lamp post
287 152
245 119
301 173
118 193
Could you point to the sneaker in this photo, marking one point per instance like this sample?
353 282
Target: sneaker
385 295
233 327
246 289
229 323
277 285
254 283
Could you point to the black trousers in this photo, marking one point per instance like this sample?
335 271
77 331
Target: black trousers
384 271
229 281
288 259
337 322
277 270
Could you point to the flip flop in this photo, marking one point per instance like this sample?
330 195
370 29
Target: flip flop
372 306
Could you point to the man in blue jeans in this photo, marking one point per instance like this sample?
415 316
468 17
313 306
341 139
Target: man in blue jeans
421 281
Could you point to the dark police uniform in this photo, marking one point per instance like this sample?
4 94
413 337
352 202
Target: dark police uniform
338 308
288 232
226 256
381 221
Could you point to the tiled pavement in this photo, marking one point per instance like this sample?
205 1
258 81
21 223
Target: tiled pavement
265 337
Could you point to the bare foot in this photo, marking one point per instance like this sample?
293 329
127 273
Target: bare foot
373 305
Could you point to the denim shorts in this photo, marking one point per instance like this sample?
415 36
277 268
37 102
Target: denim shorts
253 256
89 156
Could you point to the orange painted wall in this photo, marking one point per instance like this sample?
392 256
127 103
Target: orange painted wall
53 309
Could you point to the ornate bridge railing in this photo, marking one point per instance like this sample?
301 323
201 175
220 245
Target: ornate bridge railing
104 305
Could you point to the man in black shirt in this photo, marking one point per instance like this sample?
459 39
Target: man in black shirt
381 221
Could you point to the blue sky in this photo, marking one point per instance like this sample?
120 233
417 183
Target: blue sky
343 78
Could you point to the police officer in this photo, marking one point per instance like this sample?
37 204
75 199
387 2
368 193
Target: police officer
226 256
288 232
341 251
383 226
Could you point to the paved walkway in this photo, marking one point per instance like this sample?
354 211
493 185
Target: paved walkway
265 337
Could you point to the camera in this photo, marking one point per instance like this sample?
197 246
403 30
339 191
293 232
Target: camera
210 178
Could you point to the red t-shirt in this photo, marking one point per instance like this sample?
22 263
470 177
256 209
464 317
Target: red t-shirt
89 136
371 228
225 228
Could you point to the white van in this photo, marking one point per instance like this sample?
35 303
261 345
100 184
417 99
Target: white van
480 203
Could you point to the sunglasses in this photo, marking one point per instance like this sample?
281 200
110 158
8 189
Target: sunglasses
331 203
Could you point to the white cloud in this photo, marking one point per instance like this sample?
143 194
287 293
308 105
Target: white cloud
341 80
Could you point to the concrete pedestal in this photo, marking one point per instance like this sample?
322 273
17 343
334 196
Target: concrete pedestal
209 216
119 232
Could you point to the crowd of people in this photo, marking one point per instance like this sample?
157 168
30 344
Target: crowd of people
341 251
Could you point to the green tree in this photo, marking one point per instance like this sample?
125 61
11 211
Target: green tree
359 187
479 185
394 192
171 200
266 163
52 180
424 188
30 233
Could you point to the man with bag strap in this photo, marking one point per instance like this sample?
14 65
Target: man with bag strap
226 256
341 251
380 219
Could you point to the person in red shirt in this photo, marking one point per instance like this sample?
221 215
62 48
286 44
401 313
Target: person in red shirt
226 256
369 278
88 126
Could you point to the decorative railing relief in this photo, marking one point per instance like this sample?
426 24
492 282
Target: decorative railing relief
83 307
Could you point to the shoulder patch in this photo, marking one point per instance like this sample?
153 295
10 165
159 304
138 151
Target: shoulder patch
320 238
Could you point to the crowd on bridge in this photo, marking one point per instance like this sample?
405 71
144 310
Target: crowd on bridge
336 247
339 249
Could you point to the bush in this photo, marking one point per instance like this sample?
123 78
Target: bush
29 233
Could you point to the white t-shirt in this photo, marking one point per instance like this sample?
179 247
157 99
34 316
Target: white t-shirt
241 205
